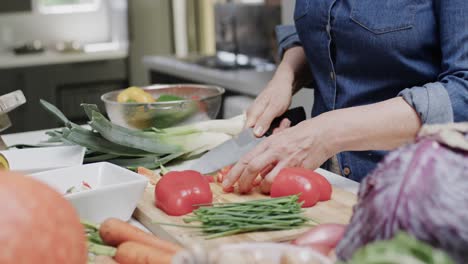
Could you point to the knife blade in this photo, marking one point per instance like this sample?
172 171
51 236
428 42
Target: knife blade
232 150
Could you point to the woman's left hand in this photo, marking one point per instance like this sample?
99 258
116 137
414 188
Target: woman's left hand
304 145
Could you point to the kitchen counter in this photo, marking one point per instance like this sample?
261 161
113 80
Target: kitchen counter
248 82
10 60
34 137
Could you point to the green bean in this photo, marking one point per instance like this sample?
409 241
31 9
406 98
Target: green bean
224 219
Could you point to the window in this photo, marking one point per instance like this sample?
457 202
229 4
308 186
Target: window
66 6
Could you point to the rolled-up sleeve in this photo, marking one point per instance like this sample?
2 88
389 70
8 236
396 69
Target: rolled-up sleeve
447 99
287 37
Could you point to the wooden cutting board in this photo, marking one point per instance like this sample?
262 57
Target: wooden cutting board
337 210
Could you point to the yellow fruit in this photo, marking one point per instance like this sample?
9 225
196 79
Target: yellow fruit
4 163
134 94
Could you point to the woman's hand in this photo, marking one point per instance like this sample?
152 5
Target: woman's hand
275 99
380 126
272 102
304 145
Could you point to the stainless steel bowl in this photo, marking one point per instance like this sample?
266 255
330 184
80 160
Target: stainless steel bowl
202 102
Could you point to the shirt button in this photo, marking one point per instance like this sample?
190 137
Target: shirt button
328 28
346 171
332 76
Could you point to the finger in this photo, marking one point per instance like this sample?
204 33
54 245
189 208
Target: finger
266 170
285 123
257 181
311 163
253 168
265 187
264 120
254 111
268 180
232 177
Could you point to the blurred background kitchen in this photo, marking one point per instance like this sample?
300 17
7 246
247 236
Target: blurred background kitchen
73 51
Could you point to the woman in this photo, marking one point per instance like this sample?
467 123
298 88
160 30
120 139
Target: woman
380 69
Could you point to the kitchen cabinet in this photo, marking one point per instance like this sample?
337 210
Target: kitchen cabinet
65 85
15 6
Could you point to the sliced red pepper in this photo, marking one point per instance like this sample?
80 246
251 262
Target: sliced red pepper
178 192
223 173
209 178
86 184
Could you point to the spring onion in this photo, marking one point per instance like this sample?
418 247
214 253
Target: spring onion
106 141
224 219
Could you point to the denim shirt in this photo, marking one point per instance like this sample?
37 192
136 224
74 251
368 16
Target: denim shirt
366 51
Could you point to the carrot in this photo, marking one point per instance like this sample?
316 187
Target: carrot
104 260
114 232
136 253
151 175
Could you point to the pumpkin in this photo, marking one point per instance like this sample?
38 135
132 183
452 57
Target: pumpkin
37 224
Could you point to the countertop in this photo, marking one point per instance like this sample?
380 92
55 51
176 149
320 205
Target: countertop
35 137
248 82
10 60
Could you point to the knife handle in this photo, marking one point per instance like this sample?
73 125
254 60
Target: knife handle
295 115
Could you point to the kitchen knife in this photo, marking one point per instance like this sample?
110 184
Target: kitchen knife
232 150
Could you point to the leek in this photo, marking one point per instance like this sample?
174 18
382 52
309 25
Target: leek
156 142
232 127
150 148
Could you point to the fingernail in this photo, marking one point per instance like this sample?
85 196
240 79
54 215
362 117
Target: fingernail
258 131
225 183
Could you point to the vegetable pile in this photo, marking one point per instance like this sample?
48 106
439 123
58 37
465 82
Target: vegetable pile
420 188
138 95
127 244
224 219
37 224
151 148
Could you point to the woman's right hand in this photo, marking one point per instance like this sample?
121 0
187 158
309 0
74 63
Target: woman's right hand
275 99
272 102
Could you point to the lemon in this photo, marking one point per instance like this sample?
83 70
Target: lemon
4 163
134 94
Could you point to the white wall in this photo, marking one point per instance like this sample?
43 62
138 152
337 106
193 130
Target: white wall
27 26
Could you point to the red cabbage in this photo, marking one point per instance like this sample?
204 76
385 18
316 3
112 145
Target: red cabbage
420 188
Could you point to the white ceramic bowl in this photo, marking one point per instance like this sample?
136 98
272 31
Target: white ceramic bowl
34 160
114 192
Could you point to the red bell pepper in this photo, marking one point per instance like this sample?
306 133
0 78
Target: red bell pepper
178 191
311 186
324 185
